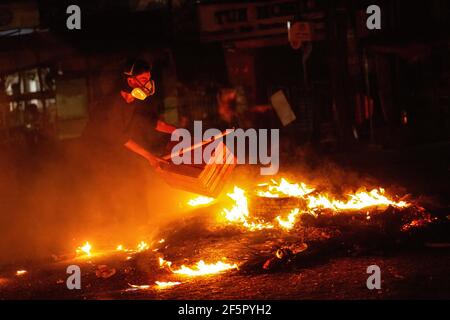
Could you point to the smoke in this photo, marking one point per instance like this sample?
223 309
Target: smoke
63 194
320 171
53 200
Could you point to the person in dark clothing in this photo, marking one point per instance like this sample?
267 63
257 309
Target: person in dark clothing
134 114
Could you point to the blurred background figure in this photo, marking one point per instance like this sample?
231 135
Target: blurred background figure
32 125
226 109
226 115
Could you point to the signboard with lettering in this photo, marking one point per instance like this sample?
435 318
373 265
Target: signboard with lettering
221 22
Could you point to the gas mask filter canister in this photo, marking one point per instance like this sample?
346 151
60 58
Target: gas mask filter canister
144 91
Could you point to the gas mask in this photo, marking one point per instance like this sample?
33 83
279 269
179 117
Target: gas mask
144 90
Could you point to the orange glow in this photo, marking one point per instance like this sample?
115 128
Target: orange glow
239 212
163 263
85 250
140 287
202 268
200 201
142 246
291 219
357 201
284 189
21 272
165 285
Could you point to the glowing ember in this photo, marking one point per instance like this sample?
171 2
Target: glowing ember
291 219
358 201
21 272
417 223
142 246
119 247
285 189
140 287
165 285
202 268
86 249
200 201
162 241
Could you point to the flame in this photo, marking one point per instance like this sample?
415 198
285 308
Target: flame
284 188
140 287
86 249
142 246
119 247
239 212
164 285
358 201
291 219
202 268
21 272
163 263
200 201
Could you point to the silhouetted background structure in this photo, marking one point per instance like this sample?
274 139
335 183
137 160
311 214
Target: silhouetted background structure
347 85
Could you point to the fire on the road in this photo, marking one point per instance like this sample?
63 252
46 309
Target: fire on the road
85 249
283 188
290 221
310 201
165 285
202 268
313 201
200 201
357 201
199 269
239 213
158 285
142 246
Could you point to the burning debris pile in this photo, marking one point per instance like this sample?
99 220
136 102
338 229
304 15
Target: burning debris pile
281 205
278 225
